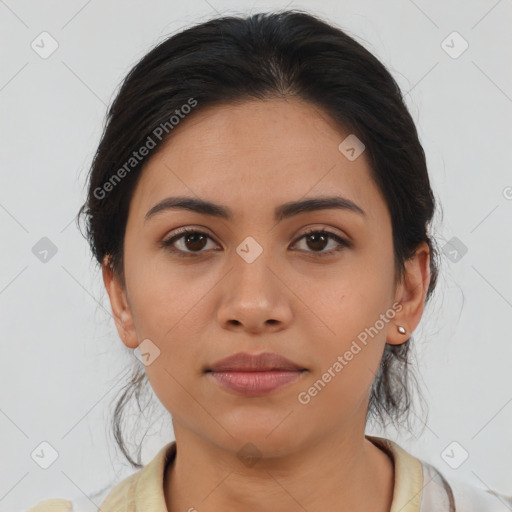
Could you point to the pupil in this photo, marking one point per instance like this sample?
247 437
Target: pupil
314 238
194 238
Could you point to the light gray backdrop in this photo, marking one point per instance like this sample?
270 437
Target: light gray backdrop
62 362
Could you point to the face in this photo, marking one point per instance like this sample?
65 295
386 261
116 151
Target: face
253 282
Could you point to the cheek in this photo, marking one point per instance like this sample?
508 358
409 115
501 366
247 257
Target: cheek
347 361
352 302
355 309
167 312
162 294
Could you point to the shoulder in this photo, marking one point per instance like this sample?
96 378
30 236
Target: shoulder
466 497
145 486
122 497
422 487
52 505
143 489
118 499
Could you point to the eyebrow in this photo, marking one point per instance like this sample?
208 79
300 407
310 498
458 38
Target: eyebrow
282 212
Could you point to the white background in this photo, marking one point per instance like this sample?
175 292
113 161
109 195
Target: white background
62 362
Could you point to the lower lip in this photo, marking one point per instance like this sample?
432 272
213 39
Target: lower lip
255 383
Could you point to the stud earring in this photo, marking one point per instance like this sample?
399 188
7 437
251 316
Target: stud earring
401 330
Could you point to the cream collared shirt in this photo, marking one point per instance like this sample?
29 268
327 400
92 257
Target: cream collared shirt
419 487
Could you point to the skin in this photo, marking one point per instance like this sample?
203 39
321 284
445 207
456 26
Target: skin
290 300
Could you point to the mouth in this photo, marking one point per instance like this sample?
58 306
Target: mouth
255 383
254 375
245 362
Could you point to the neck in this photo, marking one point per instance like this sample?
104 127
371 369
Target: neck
342 471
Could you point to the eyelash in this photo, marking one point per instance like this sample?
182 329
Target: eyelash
167 243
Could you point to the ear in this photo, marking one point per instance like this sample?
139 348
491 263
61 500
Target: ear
411 294
121 311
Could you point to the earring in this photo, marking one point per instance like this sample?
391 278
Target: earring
401 330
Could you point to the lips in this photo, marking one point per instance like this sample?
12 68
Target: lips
254 375
245 362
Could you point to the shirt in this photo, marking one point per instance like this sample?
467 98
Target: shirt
418 487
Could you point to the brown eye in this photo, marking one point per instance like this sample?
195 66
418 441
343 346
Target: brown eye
318 240
194 241
191 241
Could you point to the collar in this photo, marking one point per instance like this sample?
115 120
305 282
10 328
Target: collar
408 476
143 491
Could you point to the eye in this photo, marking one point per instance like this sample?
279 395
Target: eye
319 238
192 239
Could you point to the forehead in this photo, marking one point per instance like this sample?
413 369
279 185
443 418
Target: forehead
256 153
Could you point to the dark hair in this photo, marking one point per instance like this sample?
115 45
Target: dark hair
266 55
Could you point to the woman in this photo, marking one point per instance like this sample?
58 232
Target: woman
260 206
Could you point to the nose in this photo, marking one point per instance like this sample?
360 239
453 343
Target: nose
255 297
